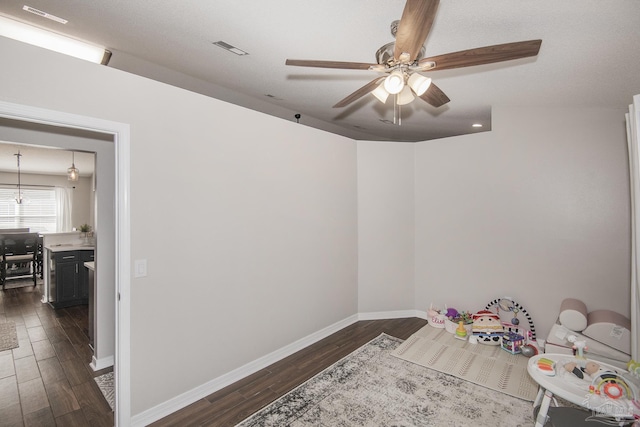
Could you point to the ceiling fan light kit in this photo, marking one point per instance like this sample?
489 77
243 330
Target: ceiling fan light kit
405 97
394 82
419 83
402 59
380 93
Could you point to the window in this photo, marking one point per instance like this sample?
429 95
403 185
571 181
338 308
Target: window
36 212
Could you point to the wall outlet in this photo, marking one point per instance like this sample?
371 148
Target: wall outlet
140 268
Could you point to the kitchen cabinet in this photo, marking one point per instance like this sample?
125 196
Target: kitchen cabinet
68 278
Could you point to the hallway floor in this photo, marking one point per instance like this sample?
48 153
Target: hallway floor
47 380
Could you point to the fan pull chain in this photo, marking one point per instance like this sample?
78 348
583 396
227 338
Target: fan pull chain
395 109
397 112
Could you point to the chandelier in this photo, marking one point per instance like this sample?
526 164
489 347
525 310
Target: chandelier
19 196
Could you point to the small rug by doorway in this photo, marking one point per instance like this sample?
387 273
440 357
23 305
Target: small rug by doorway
8 336
370 387
21 283
105 383
486 365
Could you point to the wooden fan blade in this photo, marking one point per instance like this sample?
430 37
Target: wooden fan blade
360 92
330 64
435 96
414 27
485 55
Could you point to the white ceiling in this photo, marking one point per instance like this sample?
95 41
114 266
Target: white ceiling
590 55
40 160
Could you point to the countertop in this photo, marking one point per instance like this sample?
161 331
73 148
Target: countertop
91 265
69 247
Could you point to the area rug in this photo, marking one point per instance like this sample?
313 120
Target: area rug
370 387
18 284
105 383
8 336
486 365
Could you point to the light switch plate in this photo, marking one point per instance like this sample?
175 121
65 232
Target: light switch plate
140 268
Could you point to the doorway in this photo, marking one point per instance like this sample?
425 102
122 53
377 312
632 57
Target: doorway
113 248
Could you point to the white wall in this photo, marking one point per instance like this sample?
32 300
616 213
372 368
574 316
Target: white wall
538 209
251 225
248 222
385 226
82 210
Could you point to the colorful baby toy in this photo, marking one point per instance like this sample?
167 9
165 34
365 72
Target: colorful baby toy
487 327
546 366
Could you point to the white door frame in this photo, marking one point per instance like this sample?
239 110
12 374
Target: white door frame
121 136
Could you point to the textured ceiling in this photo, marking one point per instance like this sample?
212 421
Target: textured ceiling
590 55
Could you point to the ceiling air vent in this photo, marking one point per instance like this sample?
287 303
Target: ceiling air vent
230 48
44 14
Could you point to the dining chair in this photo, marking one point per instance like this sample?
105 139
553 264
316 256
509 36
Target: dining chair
19 252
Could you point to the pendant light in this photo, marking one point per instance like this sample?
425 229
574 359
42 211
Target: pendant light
73 172
18 196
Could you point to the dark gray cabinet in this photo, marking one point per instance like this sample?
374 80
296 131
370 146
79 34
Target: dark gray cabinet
68 278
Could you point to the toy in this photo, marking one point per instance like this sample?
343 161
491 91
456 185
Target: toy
611 385
529 350
451 312
461 332
634 368
487 327
507 304
512 342
546 366
452 322
612 392
510 327
578 345
590 368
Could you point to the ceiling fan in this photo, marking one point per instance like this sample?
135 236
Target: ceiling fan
403 60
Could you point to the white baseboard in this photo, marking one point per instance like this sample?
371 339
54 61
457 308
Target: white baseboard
172 405
97 364
185 399
398 314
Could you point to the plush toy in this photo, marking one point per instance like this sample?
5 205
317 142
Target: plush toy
451 313
590 368
589 371
487 327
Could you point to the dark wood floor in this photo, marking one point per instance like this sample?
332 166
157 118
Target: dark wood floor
47 380
234 403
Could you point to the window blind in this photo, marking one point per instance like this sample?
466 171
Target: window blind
36 212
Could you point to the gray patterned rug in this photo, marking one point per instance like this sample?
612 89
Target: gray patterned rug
105 383
8 336
370 387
